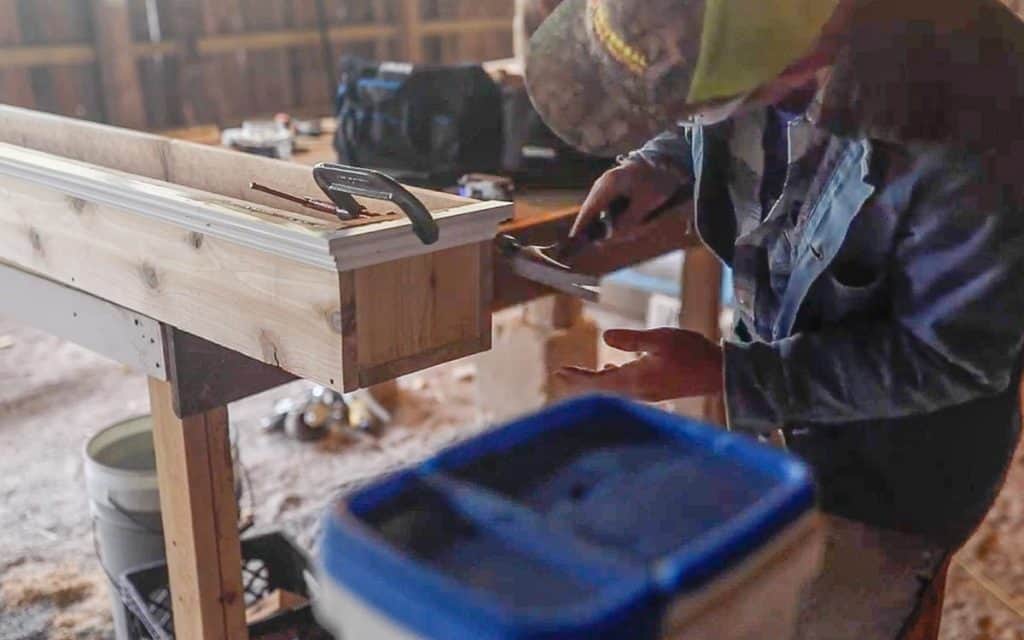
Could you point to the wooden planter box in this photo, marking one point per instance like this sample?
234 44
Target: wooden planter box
171 230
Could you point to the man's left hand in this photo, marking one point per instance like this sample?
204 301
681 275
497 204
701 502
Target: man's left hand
675 364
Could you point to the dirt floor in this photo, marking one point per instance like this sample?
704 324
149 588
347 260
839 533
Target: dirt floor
54 394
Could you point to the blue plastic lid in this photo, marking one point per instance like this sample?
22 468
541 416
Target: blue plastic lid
577 522
454 564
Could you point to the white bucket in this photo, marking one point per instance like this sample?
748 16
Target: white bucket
121 480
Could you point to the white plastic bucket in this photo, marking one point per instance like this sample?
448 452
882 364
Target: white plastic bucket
121 481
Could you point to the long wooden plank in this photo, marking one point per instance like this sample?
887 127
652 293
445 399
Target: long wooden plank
267 307
199 166
311 237
200 520
25 56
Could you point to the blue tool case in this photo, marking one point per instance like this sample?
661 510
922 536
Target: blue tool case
583 521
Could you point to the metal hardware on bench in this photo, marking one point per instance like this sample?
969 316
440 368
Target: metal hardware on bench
341 182
530 262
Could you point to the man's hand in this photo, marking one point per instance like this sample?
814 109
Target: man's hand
646 187
676 364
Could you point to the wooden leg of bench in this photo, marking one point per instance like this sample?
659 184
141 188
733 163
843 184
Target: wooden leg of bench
200 519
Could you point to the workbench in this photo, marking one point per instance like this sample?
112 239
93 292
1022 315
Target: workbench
201 352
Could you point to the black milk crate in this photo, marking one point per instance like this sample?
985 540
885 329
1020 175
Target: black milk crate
269 561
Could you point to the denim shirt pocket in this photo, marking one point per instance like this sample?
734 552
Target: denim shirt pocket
844 295
824 230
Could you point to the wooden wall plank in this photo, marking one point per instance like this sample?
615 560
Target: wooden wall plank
220 61
306 63
113 36
153 24
410 40
228 70
383 13
69 89
15 87
200 519
203 99
266 71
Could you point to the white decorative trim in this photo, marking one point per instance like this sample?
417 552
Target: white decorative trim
394 239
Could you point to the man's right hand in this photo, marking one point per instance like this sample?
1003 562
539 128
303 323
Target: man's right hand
645 186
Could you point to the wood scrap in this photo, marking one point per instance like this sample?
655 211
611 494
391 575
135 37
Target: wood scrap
275 602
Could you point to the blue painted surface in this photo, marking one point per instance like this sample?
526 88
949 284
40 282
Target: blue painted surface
578 522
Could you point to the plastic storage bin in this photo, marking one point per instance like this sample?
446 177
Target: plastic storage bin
269 561
598 518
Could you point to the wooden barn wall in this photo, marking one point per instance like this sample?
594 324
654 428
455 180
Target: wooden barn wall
160 64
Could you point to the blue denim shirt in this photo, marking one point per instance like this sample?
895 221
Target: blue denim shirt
891 361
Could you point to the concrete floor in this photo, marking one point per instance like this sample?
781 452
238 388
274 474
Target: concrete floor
53 395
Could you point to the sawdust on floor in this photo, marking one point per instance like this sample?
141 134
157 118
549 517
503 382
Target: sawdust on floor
70 600
53 395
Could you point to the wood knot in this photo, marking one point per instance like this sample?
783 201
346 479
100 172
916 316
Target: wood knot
195 239
335 321
77 204
346 319
268 346
149 276
35 240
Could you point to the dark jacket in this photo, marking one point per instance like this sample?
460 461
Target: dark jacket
892 363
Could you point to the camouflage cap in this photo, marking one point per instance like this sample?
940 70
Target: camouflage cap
607 75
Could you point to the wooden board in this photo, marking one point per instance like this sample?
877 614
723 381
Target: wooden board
266 307
203 167
447 292
297 290
200 519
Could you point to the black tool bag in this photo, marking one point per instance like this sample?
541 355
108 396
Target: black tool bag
535 156
423 125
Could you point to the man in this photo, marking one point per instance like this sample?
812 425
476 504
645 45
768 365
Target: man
855 163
